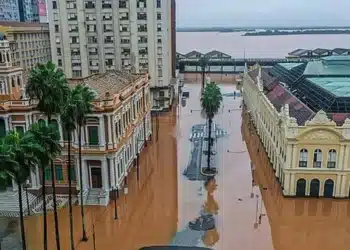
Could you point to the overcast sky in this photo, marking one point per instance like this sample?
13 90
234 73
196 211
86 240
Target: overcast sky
262 12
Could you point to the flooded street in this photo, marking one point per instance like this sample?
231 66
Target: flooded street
242 207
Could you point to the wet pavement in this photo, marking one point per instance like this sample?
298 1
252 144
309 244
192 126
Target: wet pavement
242 208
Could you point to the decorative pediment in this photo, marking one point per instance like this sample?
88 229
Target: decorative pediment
320 118
320 135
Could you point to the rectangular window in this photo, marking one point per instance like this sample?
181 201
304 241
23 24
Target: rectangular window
93 135
57 28
20 130
58 172
54 5
122 4
159 16
48 174
158 4
72 173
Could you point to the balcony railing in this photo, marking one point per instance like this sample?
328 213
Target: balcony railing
331 164
317 164
302 164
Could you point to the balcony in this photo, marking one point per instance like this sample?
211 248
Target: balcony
317 164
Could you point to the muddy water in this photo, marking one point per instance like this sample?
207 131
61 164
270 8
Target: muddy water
244 199
147 214
312 224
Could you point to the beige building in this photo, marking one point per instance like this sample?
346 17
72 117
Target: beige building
309 152
29 43
113 136
90 36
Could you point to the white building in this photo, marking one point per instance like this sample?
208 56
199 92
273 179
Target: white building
94 36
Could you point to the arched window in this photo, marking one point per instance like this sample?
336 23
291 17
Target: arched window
55 123
303 158
2 128
317 158
41 122
332 156
18 80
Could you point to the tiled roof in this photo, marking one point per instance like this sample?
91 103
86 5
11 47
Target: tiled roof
279 96
216 52
193 53
268 80
111 81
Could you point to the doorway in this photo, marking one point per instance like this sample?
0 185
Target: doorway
301 187
315 188
96 177
328 188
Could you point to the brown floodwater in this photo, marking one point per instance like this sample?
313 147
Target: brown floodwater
249 211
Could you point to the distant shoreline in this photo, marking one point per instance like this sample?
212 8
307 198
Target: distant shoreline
297 32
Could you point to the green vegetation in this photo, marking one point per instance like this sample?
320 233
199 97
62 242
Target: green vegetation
21 152
210 101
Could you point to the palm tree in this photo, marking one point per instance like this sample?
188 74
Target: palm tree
68 123
48 85
203 62
210 102
18 160
83 107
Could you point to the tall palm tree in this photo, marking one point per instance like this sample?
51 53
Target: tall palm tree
48 85
18 160
210 102
83 107
68 122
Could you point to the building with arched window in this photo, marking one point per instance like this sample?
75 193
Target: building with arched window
112 138
302 120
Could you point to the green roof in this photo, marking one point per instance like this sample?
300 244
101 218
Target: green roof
290 66
323 68
339 86
337 58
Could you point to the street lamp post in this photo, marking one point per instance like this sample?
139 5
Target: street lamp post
116 196
27 185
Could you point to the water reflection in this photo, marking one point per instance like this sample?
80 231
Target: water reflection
313 224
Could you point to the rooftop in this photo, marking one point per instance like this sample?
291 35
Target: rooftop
111 82
329 66
290 66
339 86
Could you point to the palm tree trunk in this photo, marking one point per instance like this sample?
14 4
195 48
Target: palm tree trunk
43 192
70 192
209 143
84 238
203 76
53 184
23 235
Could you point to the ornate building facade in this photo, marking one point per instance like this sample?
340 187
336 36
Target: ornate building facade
113 137
309 151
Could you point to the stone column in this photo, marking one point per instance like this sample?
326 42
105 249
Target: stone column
85 171
111 171
292 184
6 120
340 158
104 170
289 156
338 185
294 156
110 136
37 174
102 132
286 185
343 191
26 122
115 166
33 180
